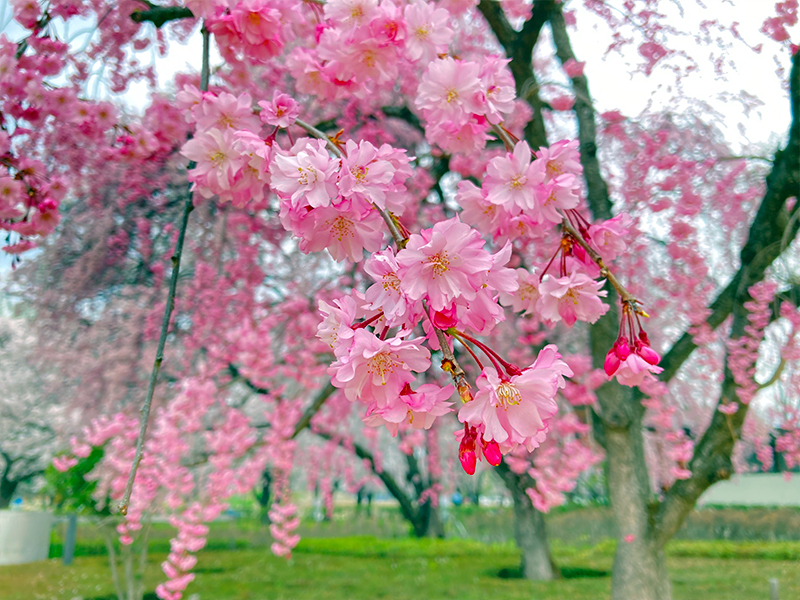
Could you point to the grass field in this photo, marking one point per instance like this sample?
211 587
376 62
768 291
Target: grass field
399 569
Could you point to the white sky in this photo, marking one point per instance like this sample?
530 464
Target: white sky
611 84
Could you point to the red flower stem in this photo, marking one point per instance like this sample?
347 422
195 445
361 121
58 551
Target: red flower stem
493 356
471 352
550 263
369 321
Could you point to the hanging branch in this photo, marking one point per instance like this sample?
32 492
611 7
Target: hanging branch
162 339
449 364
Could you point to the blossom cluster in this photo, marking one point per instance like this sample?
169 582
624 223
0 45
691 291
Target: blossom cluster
332 203
231 159
363 45
460 100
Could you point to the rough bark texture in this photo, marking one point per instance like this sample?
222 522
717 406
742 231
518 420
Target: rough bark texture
7 489
536 562
639 570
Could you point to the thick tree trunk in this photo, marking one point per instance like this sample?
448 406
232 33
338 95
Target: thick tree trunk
7 489
536 562
529 529
427 522
435 525
639 571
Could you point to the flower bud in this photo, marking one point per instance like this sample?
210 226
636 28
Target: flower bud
622 349
491 451
649 355
468 461
612 363
444 319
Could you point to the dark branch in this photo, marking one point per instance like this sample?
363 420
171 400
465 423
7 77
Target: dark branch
599 201
711 461
406 505
325 393
173 287
158 15
519 48
236 375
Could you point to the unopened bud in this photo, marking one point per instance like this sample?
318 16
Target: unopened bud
622 349
492 453
612 363
649 355
468 461
445 319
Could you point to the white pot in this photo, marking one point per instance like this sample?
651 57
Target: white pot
24 536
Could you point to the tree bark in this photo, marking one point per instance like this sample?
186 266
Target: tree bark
7 489
639 571
536 562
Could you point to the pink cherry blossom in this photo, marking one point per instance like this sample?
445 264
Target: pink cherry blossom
512 180
217 161
450 90
428 31
571 298
515 410
443 263
306 174
364 175
376 370
281 111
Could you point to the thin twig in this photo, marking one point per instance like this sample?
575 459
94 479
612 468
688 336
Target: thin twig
624 294
319 135
162 339
450 364
501 133
775 376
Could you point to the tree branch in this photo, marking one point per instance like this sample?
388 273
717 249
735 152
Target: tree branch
325 393
597 196
236 375
711 461
519 48
173 286
406 505
159 15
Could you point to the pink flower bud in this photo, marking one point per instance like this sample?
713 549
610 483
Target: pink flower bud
650 355
468 461
445 319
492 453
622 349
612 363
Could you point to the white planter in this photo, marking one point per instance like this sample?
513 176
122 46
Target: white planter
24 536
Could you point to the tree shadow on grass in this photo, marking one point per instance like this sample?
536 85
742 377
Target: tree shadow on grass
566 573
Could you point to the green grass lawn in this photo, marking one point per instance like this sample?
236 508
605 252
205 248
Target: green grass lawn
366 567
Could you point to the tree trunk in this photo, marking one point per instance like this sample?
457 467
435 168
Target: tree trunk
536 563
639 571
427 522
435 525
7 489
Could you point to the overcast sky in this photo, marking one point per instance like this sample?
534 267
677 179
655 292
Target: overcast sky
611 84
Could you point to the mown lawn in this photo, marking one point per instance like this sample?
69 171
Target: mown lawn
366 567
